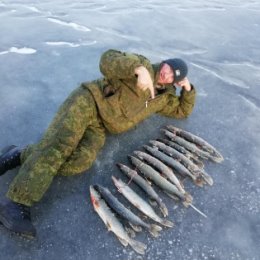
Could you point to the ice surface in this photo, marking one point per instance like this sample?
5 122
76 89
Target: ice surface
48 47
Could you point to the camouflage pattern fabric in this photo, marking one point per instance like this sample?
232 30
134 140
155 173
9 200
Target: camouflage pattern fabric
69 147
76 134
126 105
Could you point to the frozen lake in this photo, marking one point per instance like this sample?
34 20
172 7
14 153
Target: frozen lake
48 47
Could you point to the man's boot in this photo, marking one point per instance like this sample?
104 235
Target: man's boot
9 158
16 217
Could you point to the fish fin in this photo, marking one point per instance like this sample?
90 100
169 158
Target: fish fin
135 227
199 181
149 182
154 230
139 247
207 178
130 232
108 226
153 202
167 223
123 241
182 181
164 209
172 196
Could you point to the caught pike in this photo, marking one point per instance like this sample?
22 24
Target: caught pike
161 167
187 145
204 145
168 187
139 203
175 164
184 151
184 160
133 175
112 223
124 212
177 155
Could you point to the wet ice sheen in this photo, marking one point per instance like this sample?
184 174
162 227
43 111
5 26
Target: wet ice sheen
48 47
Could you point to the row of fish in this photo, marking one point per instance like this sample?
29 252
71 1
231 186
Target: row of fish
181 153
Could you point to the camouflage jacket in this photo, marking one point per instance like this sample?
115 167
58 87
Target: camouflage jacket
121 105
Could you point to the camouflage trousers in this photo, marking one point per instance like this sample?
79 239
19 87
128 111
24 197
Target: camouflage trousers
69 146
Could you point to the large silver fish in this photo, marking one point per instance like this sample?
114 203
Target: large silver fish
188 145
168 187
182 150
139 202
141 182
112 223
124 212
184 160
181 169
204 145
161 167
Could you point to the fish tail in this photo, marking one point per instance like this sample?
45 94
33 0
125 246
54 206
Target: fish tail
154 230
163 209
207 178
188 199
139 247
199 181
167 223
135 227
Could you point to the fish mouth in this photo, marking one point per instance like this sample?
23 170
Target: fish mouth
95 187
129 157
120 165
117 183
114 180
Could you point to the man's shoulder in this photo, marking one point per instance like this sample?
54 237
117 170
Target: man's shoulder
116 53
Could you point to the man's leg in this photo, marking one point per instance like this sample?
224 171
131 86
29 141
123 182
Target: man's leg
9 158
59 142
86 152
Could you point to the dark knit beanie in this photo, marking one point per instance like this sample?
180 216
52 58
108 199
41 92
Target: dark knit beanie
179 67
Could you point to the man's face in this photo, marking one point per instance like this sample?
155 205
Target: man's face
166 74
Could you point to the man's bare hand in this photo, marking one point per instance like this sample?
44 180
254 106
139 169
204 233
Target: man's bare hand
184 84
144 80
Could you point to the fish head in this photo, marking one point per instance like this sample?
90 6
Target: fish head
115 181
103 190
147 148
153 142
135 160
97 188
136 152
118 183
130 157
94 196
122 166
139 154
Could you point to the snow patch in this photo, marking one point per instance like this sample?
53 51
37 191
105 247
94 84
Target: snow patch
70 24
34 9
71 44
23 50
